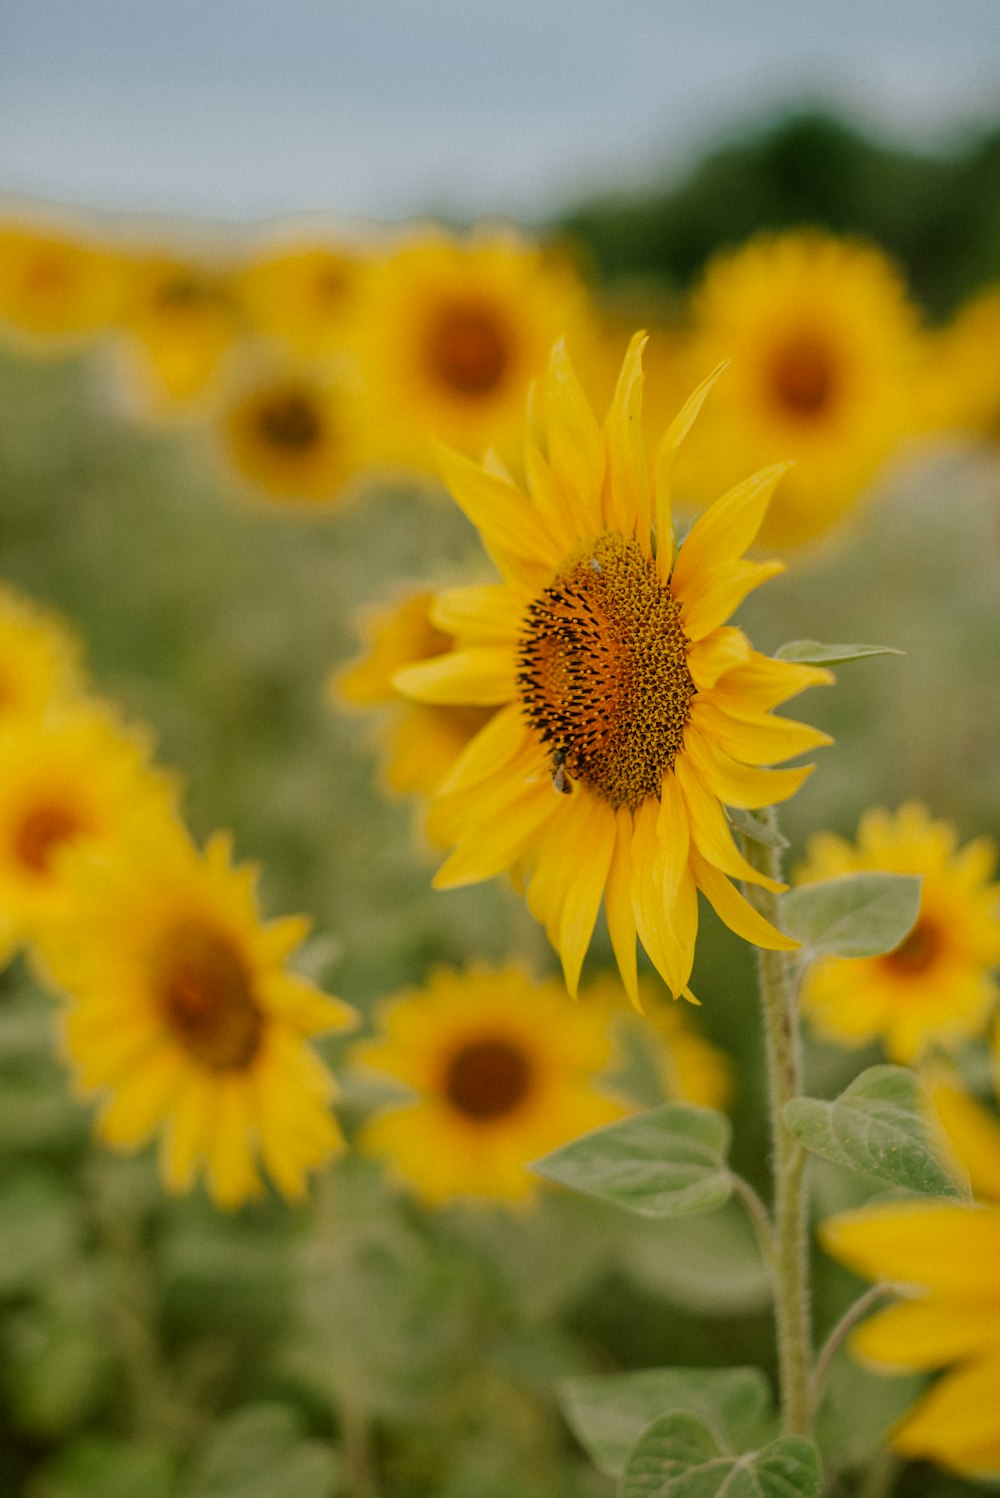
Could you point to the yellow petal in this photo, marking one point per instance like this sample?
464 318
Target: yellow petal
652 919
627 492
576 447
755 738
594 848
935 1245
764 683
739 785
618 905
973 1134
664 464
736 912
956 1423
505 517
673 831
186 1138
712 833
725 531
717 594
719 652
480 615
482 855
922 1334
232 1175
482 675
491 750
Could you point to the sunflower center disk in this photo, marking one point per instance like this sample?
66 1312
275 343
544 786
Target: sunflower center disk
205 996
467 349
802 379
603 672
41 832
487 1078
916 952
289 422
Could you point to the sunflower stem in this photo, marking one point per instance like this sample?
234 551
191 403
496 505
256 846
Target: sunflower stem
778 977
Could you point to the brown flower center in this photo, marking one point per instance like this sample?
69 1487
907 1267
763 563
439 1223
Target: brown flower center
916 952
206 996
42 831
801 377
603 673
48 275
289 421
185 291
487 1078
467 348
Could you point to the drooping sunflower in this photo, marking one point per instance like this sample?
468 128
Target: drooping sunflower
290 434
184 1019
935 989
628 711
39 659
824 347
450 334
943 1255
504 1068
76 776
421 740
303 291
58 286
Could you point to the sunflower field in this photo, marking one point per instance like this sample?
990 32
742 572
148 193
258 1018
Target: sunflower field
427 1069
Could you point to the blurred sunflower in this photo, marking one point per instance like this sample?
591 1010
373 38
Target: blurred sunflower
183 1017
39 659
504 1069
57 286
689 1067
421 740
935 989
289 433
628 711
823 343
943 1255
76 777
961 385
302 292
450 334
181 319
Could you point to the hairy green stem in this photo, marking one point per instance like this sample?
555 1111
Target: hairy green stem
779 1000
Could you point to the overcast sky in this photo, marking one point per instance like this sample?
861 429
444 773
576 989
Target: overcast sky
246 108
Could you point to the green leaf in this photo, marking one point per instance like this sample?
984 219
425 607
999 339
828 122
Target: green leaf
260 1453
667 1162
751 825
680 1457
877 1126
812 653
608 1413
854 915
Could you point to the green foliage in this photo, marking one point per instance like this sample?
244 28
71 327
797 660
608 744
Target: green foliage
812 653
679 1456
260 1452
878 1126
853 915
667 1162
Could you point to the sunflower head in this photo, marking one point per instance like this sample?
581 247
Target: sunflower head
303 293
58 286
39 660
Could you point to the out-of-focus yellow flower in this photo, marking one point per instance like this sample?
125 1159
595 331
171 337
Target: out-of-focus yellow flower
690 1068
76 777
39 659
181 319
303 291
628 711
823 344
420 740
944 1256
935 989
452 332
58 286
504 1069
290 434
961 383
184 1019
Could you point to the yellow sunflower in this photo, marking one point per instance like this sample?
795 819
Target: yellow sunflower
690 1068
421 740
944 1256
74 777
628 712
303 291
39 659
183 1017
504 1069
450 334
824 346
290 434
57 286
935 989
961 386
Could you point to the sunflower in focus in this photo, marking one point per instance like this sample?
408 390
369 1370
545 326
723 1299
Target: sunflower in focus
57 287
290 435
39 659
503 1067
303 292
184 1019
76 777
451 334
935 988
627 711
181 319
421 740
823 343
961 386
943 1255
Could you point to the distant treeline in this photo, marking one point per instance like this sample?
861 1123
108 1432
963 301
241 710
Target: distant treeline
939 215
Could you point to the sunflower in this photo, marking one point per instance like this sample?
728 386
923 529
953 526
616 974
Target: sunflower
39 659
935 988
290 435
503 1067
944 1254
421 740
824 346
57 286
450 334
961 385
74 777
183 1017
628 712
303 292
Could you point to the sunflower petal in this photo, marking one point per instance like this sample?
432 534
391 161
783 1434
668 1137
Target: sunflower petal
725 530
482 675
712 833
480 615
736 912
618 905
576 447
740 785
627 492
714 596
755 738
664 464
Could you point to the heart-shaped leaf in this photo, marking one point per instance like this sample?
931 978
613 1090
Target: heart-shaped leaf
680 1457
854 915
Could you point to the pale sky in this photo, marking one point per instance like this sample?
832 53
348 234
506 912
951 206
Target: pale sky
384 108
